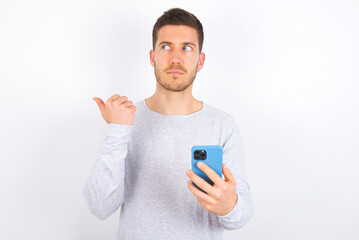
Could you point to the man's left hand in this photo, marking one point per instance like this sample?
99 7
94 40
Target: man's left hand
221 197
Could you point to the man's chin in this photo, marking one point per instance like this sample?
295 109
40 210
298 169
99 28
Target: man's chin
174 87
175 77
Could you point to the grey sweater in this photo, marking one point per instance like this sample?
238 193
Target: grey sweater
141 167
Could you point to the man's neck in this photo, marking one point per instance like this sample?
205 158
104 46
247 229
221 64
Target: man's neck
173 103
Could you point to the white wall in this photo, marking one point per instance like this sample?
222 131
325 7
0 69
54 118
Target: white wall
286 70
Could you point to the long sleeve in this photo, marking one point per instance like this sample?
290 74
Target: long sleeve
104 188
233 157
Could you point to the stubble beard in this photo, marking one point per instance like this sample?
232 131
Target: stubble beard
178 87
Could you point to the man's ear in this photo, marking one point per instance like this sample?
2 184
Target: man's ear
202 57
152 57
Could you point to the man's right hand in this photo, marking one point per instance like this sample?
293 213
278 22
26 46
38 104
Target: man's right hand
117 110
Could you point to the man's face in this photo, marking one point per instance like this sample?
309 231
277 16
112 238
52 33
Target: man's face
176 58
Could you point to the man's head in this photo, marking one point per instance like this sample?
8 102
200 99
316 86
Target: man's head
178 16
177 44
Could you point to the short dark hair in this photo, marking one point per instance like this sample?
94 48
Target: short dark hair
178 16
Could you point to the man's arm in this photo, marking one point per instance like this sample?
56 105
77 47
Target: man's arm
233 157
229 199
104 188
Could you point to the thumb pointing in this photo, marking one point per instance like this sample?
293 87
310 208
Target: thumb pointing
100 103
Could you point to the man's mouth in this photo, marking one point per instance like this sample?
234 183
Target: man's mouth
175 72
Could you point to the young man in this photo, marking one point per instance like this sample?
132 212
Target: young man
144 165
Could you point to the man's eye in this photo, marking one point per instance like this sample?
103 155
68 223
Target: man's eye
189 47
163 46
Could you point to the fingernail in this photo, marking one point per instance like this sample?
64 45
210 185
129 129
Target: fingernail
187 171
199 164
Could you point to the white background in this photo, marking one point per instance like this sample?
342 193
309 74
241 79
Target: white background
286 70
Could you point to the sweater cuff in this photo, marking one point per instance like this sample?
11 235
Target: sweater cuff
117 130
235 213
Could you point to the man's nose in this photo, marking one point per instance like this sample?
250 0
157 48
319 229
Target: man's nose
176 57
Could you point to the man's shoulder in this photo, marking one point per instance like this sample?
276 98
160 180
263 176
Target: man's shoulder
221 114
139 104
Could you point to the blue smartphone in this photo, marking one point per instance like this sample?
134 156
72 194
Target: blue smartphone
212 156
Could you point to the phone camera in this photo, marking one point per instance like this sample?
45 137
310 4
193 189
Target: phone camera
200 154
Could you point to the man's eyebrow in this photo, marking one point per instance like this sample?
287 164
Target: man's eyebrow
184 43
189 43
164 42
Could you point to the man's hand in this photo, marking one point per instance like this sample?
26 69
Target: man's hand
221 197
117 110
